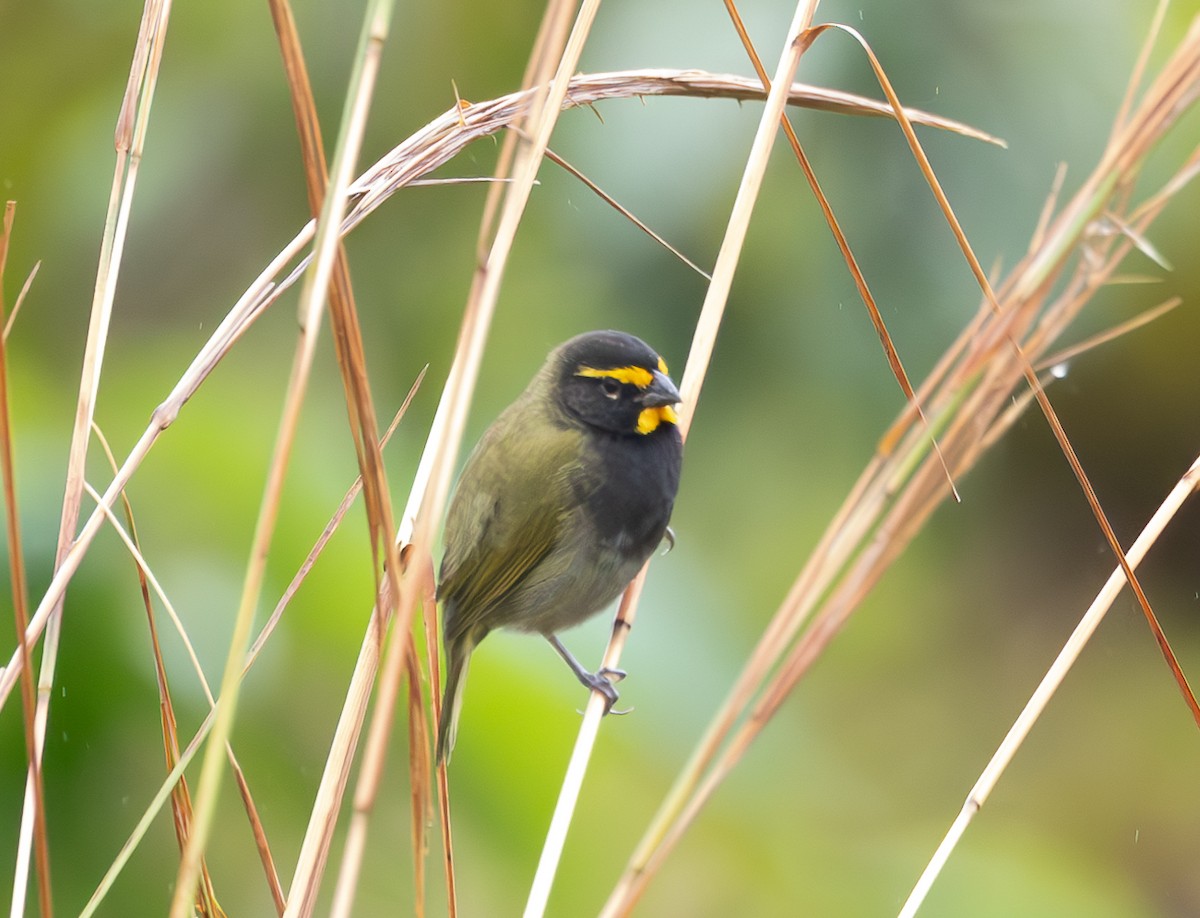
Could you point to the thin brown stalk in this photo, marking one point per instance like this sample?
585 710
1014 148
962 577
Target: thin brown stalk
132 124
898 490
1139 68
343 314
327 805
326 534
175 787
314 850
444 137
1109 334
259 296
1048 208
351 357
323 817
419 769
426 150
312 301
548 47
843 244
212 768
347 332
181 800
184 759
35 790
181 803
12 315
1034 383
180 796
782 627
625 212
1053 367
324 812
160 799
456 396
431 484
1046 689
370 776
261 844
703 342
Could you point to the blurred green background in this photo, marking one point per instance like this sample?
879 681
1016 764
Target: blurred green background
840 804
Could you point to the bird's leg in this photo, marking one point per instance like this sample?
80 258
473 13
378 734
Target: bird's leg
600 681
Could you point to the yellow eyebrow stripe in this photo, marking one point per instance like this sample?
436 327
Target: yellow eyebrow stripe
662 367
638 376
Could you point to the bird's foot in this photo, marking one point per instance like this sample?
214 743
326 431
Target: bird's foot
602 681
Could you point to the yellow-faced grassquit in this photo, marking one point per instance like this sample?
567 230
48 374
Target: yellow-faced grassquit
560 504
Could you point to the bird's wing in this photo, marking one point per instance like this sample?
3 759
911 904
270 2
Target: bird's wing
506 517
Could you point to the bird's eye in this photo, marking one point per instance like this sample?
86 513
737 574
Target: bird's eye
610 387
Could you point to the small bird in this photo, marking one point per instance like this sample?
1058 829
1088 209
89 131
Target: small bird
560 504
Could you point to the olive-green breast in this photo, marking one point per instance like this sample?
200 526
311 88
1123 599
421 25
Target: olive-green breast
507 514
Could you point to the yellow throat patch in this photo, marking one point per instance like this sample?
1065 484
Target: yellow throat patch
650 418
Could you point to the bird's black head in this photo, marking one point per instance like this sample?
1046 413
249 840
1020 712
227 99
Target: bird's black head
614 382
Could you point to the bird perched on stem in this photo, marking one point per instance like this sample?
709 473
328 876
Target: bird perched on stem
560 504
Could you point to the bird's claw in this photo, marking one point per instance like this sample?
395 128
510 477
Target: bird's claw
669 536
602 681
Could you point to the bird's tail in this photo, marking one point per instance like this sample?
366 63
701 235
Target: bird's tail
458 655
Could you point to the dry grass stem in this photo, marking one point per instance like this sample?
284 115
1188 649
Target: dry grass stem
1062 357
231 328
429 148
967 395
625 212
312 302
175 786
346 329
314 849
1054 677
545 57
703 341
268 628
132 125
143 825
899 489
548 50
181 802
843 244
226 334
12 315
429 491
424 508
444 137
206 902
33 817
542 117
